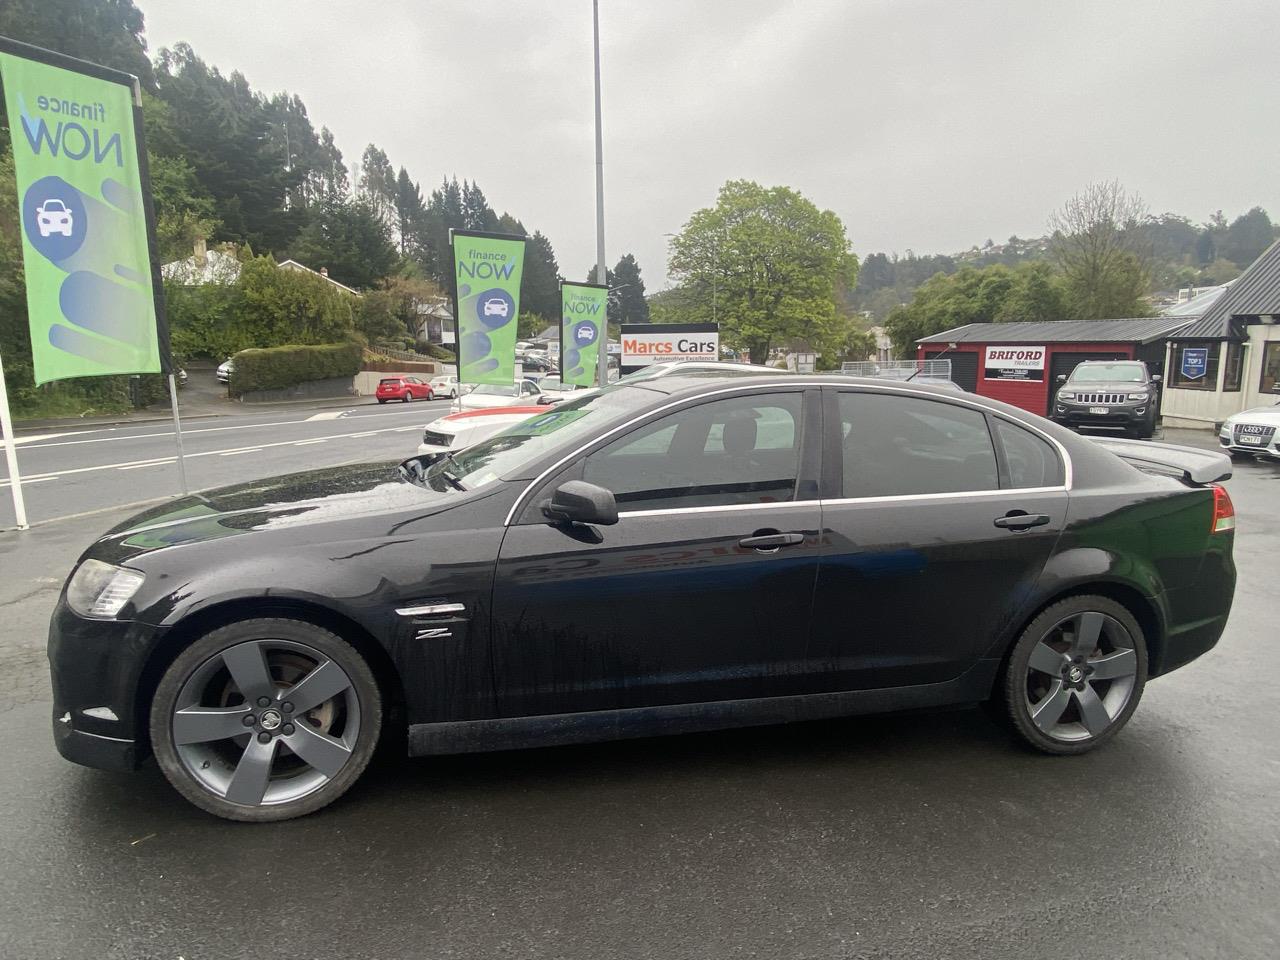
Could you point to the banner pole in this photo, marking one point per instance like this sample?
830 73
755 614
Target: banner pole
602 272
11 454
177 432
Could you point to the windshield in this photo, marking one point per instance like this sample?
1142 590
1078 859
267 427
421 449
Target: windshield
526 441
496 390
1099 372
549 383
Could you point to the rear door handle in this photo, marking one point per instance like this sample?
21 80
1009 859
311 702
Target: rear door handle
1021 521
771 541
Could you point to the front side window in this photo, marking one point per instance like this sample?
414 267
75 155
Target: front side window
905 446
744 450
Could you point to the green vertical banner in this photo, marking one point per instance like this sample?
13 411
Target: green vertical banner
486 272
86 223
584 308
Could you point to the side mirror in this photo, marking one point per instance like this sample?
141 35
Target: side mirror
1156 378
577 501
1062 378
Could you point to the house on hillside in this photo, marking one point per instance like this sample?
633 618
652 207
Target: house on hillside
322 273
219 265
435 323
1228 360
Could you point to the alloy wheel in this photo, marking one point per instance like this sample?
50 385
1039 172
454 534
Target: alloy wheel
266 722
1081 676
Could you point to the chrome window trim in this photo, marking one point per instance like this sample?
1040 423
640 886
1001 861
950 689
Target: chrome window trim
789 386
717 508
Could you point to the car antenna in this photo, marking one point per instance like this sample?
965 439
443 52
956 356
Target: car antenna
950 346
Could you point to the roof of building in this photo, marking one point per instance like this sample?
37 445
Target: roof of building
1138 330
295 265
1255 293
213 266
1198 305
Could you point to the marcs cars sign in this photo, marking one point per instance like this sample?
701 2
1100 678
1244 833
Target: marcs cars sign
646 343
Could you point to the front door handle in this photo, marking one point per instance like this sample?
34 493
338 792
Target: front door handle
771 541
1021 521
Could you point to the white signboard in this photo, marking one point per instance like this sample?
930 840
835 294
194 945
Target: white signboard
663 343
1014 363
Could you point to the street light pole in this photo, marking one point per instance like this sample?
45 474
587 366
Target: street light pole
602 274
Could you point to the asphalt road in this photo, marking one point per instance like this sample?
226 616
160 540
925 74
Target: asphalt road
72 471
927 836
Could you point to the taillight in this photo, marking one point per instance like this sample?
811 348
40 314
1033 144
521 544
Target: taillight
1224 512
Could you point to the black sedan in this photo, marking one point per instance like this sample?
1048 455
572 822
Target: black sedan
685 553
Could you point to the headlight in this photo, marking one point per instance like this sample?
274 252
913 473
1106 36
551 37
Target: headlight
1137 396
1066 396
100 590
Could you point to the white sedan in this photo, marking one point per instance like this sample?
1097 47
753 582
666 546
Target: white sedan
500 395
444 386
459 430
554 390
1255 431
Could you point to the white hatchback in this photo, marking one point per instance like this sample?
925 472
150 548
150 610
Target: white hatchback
460 430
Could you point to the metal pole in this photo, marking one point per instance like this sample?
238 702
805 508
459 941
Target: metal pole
11 455
177 431
602 359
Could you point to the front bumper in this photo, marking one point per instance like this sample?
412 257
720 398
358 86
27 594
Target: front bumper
96 666
1123 417
1270 448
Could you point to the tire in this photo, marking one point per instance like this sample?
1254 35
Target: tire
381 402
453 394
199 696
408 397
1051 693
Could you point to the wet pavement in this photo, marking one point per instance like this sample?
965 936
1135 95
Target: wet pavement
929 835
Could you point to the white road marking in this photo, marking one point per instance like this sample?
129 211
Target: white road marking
367 433
329 415
236 453
27 480
36 437
150 463
307 443
192 456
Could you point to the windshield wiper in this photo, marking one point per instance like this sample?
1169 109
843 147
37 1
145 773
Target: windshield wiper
451 478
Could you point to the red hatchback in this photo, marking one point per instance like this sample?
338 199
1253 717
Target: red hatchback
403 388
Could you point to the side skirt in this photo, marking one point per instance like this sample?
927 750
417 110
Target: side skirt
514 733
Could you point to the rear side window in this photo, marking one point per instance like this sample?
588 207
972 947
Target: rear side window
1032 460
907 446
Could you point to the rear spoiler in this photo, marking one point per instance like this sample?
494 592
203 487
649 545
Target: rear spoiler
1191 463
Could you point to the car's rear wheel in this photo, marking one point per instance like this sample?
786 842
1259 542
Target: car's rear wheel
1075 675
408 396
265 720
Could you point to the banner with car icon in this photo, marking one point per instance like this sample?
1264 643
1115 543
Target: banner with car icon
583 309
486 271
86 241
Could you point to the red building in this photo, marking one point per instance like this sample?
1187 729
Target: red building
1020 363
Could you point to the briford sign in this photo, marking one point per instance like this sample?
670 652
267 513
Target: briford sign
646 343
1014 363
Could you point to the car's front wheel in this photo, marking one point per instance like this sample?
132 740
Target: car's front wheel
1075 675
265 719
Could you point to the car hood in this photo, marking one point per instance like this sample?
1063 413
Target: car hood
1106 386
274 504
1266 415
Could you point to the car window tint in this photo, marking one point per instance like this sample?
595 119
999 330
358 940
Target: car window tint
906 446
1032 461
739 451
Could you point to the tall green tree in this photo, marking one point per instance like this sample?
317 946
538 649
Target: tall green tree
771 259
411 215
348 238
1247 237
377 184
540 282
108 32
627 303
476 212
1100 246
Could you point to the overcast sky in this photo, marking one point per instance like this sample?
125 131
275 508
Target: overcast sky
927 125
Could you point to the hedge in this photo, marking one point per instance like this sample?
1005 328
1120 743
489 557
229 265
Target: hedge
278 368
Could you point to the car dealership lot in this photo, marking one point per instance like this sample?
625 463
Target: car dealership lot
926 835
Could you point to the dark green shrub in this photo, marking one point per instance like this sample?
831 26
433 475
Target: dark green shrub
278 368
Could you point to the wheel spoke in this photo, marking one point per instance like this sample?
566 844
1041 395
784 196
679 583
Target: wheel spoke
1088 630
248 668
1045 659
325 681
206 724
249 783
1122 663
1048 711
325 753
1093 712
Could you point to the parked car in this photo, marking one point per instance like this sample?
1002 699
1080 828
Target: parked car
685 554
458 431
1255 431
536 363
406 389
1110 395
225 369
523 393
554 390
444 386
